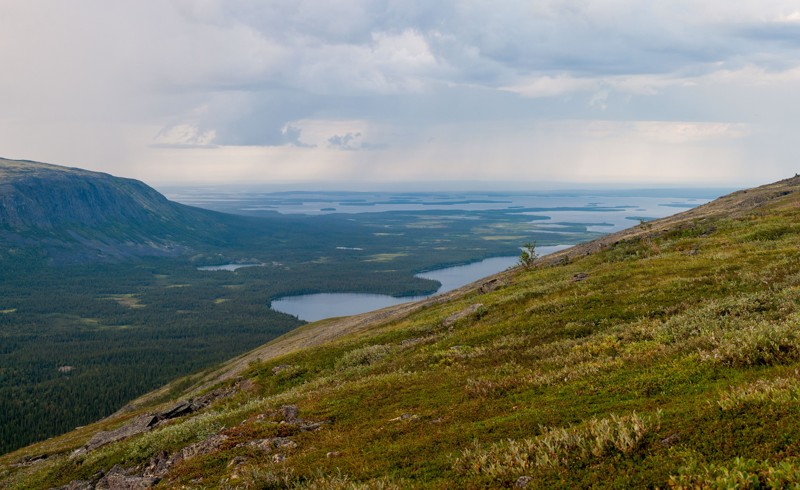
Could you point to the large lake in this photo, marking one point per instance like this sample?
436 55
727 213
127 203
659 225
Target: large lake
313 307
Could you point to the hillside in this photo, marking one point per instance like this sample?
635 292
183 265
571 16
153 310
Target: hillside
665 355
71 215
103 297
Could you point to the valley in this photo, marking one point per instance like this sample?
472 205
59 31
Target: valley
116 292
386 245
661 355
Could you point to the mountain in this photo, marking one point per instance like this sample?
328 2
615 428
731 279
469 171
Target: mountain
73 215
666 355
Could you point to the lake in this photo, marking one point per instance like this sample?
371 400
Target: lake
313 307
227 267
554 217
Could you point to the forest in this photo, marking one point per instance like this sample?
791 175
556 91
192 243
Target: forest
79 341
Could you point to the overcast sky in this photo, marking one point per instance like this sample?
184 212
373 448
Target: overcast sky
586 91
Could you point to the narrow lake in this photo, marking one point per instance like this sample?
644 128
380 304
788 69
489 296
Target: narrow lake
227 267
313 307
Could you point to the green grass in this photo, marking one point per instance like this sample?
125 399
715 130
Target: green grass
672 361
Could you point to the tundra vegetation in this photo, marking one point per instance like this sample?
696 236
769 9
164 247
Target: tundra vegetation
662 356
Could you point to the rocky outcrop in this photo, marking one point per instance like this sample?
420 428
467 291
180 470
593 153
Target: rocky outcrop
140 424
119 479
146 422
491 285
451 320
159 467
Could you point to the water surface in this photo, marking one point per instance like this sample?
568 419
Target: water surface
227 267
313 307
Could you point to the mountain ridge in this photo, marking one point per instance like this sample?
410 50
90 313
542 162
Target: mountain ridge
79 216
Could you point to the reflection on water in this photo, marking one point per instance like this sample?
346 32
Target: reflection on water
313 307
227 267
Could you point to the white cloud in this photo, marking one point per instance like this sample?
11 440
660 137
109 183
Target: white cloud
185 135
654 132
791 17
335 134
437 86
550 86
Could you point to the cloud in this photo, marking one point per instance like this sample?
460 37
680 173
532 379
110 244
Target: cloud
185 135
292 134
414 79
550 86
349 135
348 141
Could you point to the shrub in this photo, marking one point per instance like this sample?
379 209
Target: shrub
528 256
779 390
556 447
740 473
363 356
760 344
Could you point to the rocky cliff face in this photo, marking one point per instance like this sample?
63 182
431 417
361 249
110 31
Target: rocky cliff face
77 215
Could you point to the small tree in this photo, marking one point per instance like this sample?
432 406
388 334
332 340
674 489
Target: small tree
528 255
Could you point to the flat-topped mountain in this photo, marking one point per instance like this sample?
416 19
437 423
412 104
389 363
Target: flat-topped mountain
75 215
38 195
666 355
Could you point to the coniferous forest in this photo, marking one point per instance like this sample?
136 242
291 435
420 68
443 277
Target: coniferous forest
79 340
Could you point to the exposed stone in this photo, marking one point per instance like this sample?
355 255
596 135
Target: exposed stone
269 444
77 485
246 385
144 423
413 341
289 413
278 458
333 454
238 460
523 481
312 426
200 448
405 416
192 405
455 317
140 424
159 465
563 260
671 439
580 276
119 479
182 408
491 285
162 463
280 368
29 460
65 369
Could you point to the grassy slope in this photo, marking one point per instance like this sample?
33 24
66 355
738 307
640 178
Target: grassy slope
663 355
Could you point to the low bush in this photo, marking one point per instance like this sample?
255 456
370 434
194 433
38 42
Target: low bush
557 447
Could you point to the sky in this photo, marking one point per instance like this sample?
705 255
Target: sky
362 92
